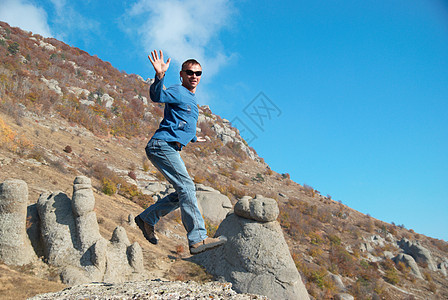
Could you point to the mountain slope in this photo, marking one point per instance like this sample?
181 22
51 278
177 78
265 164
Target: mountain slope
65 113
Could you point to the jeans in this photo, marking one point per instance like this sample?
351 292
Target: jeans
166 158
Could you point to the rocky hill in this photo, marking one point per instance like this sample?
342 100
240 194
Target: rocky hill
65 114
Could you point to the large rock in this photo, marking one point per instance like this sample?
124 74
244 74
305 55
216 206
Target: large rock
343 296
15 247
212 204
255 259
408 262
259 209
72 241
443 266
418 252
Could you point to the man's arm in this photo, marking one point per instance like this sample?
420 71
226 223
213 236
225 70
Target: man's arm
156 91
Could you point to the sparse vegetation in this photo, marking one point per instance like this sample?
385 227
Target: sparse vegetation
324 235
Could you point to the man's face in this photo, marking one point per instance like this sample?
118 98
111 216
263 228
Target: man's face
190 82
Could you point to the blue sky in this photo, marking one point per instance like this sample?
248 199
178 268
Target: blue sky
352 96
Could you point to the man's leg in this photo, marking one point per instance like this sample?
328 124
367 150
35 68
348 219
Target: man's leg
168 161
164 206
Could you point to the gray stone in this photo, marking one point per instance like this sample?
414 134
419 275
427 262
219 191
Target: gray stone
72 241
119 236
98 255
255 259
344 296
259 209
135 257
388 255
442 267
366 247
149 289
337 280
153 188
203 188
212 204
15 247
58 228
377 240
418 252
131 221
409 262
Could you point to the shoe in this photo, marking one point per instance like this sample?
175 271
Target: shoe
148 230
207 244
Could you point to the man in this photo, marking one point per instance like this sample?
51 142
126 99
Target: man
176 130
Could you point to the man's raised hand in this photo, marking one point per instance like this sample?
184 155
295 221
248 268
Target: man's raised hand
159 65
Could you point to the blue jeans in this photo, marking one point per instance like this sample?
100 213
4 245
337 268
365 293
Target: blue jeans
166 158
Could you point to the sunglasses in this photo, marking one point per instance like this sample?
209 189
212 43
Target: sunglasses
191 72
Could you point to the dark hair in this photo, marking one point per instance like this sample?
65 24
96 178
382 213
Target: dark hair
190 61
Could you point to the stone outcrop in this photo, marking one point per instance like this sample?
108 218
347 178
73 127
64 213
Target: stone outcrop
259 209
418 252
72 241
410 263
150 289
343 296
66 232
212 204
256 258
15 247
443 266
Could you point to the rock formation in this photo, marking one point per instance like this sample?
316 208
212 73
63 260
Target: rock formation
256 258
418 252
149 289
68 234
15 247
410 263
212 204
73 243
259 209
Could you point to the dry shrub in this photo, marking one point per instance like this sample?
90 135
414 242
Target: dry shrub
211 228
180 249
12 141
199 178
343 261
309 190
68 149
132 175
145 163
315 251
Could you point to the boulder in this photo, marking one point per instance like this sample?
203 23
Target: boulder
443 266
15 247
418 252
409 262
259 209
212 204
337 280
344 296
255 259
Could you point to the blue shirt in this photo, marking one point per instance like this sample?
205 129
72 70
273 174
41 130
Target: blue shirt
180 115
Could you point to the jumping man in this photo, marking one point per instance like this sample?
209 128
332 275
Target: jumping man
176 130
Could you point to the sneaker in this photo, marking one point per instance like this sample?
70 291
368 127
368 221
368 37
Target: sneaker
148 230
207 244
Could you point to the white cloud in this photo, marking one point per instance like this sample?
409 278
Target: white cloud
23 14
69 22
185 29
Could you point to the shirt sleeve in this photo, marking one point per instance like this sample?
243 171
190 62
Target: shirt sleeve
158 94
194 139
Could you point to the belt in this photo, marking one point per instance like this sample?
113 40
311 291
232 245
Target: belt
177 144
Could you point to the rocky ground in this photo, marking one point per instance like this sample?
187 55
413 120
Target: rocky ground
149 289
